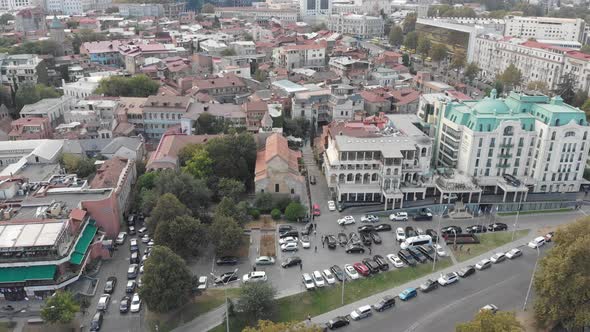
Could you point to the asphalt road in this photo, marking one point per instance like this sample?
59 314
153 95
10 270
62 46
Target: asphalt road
504 284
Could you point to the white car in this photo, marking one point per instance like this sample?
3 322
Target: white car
150 244
331 206
447 279
439 250
202 285
483 264
103 302
513 253
145 238
360 313
291 246
351 272
329 276
369 218
135 303
396 261
399 216
420 231
121 238
498 257
308 281
537 242
255 276
142 230
489 307
347 220
400 234
288 239
265 260
318 280
305 243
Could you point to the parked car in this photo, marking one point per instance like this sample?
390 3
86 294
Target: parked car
406 258
285 228
497 227
418 256
226 278
318 279
408 293
124 304
423 216
450 230
420 231
386 302
427 251
307 229
371 265
382 228
400 235
133 246
432 234
131 230
476 229
498 257
399 216
96 322
305 242
483 264
366 229
370 218
121 238
410 232
134 258
354 248
537 242
366 238
329 277
439 250
513 253
130 287
291 261
131 220
312 179
103 302
265 260
449 278
361 312
142 230
383 265
331 241
549 236
291 246
288 239
489 307
254 276
316 210
375 237
135 303
396 261
351 272
338 272
132 271
428 285
227 260
331 206
362 269
308 281
109 286
466 271
337 322
347 220
291 233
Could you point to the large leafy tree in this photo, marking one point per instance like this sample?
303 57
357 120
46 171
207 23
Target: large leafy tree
562 283
438 52
458 60
29 94
199 165
234 156
424 45
167 208
60 308
270 326
185 235
471 71
298 127
166 281
193 193
238 212
256 300
295 211
409 23
511 77
411 40
487 321
538 85
79 165
226 234
264 202
230 188
45 47
566 88
135 86
396 36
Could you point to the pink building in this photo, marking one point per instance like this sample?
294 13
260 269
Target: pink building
30 128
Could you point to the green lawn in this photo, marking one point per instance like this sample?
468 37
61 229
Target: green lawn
488 241
201 304
7 326
297 307
536 212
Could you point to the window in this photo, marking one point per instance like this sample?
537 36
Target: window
509 131
276 188
553 136
292 191
570 134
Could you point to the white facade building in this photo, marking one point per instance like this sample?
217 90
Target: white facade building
66 7
82 88
300 56
570 29
345 102
315 10
362 26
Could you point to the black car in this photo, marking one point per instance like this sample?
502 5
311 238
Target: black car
511 180
450 230
227 260
466 271
312 179
226 278
476 229
386 302
343 239
355 239
417 255
373 267
124 305
291 261
497 227
285 228
429 285
406 258
130 288
427 251
383 265
307 229
375 237
423 215
366 228
291 233
410 232
337 322
338 273
366 239
354 248
331 241
131 220
96 322
432 234
134 258
109 286
382 228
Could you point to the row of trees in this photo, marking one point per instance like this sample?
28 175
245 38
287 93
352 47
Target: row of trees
121 86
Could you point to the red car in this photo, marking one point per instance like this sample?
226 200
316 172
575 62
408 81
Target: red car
362 269
316 210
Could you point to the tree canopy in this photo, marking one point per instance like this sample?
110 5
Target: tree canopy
167 208
60 308
487 321
256 300
36 47
424 45
409 23
511 77
295 211
135 86
438 52
458 60
451 11
411 40
563 278
226 234
184 235
471 71
231 188
166 281
297 127
234 156
29 94
200 165
270 326
396 36
79 165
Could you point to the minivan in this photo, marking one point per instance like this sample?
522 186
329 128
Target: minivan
360 313
537 242
254 276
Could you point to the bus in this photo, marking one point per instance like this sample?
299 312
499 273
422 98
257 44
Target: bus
416 241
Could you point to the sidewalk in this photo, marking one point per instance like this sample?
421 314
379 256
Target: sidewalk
347 309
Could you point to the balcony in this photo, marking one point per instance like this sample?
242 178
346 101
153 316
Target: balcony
506 145
504 165
505 155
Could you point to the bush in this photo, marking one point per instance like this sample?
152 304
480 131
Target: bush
282 202
255 213
264 202
275 214
294 211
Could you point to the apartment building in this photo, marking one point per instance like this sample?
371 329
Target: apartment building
19 69
314 10
386 163
30 128
141 9
551 28
65 7
98 116
224 89
345 102
82 88
313 105
27 20
256 14
52 109
539 140
163 112
311 55
359 26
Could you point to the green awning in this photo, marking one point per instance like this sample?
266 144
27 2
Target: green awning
83 243
24 273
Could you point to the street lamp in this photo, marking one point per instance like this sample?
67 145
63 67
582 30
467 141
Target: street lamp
518 212
528 292
438 237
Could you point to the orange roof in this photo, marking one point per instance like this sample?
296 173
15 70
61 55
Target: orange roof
276 146
77 214
171 144
107 176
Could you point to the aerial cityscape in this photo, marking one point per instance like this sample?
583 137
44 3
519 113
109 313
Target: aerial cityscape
294 165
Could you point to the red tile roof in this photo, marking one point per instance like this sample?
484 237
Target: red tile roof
107 176
77 214
276 146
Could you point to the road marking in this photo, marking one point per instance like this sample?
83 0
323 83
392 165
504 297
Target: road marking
452 304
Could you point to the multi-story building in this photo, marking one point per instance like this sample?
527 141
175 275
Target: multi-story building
300 56
26 20
99 5
552 28
366 163
82 88
141 9
540 141
162 112
315 10
345 102
66 7
351 70
359 26
30 128
18 69
98 116
223 89
260 15
313 105
103 52
50 108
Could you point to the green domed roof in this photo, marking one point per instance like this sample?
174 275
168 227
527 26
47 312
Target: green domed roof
491 106
56 24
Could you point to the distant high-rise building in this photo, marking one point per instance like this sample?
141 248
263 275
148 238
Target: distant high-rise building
314 10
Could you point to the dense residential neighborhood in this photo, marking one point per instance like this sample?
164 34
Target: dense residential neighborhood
294 165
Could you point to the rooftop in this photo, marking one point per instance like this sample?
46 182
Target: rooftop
19 235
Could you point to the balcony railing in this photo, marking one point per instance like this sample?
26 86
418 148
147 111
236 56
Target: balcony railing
504 165
506 145
505 155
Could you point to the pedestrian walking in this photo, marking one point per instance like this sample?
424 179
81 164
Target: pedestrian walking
323 243
254 267
300 266
316 248
315 226
370 251
314 232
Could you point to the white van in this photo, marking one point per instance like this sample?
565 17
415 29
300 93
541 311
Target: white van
416 241
537 242
254 276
